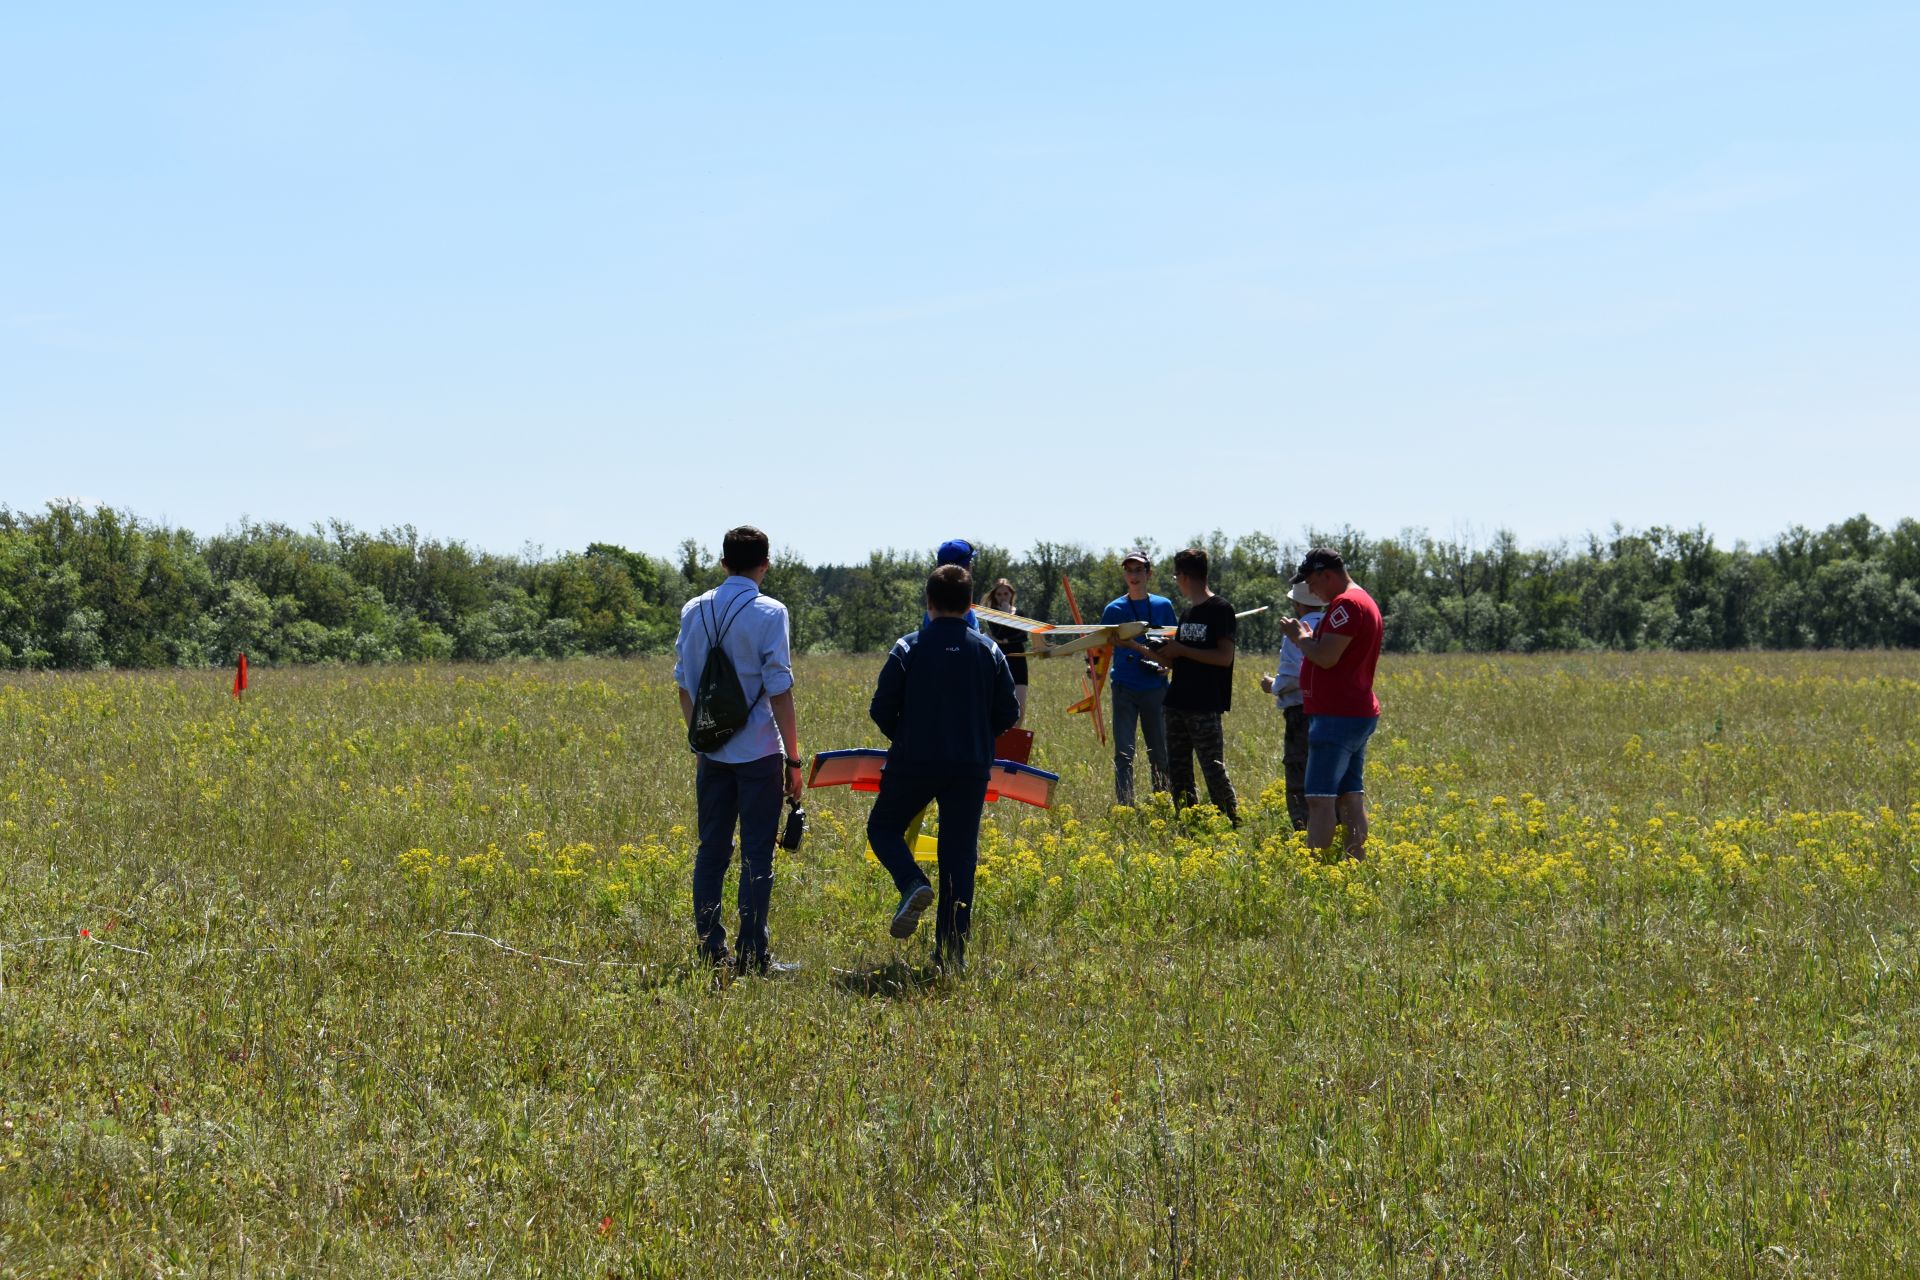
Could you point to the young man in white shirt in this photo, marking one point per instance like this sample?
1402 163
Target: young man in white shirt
743 780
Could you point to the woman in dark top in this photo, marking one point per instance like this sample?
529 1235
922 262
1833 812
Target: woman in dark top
1012 640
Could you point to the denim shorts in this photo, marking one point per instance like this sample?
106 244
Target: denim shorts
1337 753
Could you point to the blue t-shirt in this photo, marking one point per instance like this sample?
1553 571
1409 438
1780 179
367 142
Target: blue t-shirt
1129 670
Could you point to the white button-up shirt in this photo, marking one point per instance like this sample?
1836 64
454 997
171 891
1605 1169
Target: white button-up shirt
1286 681
757 641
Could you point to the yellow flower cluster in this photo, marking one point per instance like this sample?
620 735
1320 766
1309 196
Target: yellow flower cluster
538 864
1148 864
1447 847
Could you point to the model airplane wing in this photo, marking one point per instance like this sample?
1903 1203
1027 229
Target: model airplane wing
1166 632
861 769
1081 638
1001 618
1055 639
1033 626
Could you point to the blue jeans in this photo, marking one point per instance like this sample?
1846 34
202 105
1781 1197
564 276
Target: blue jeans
1145 708
750 795
902 795
1337 754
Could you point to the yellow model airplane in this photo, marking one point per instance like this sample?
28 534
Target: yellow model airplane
1050 641
1094 639
1077 637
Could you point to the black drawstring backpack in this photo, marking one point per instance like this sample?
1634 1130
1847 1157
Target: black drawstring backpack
720 706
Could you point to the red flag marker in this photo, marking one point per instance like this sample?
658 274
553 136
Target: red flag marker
240 677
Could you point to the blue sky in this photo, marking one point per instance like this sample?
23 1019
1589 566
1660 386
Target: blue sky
879 275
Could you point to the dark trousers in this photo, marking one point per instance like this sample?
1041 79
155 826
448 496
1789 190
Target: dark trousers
960 801
1198 733
748 794
1293 757
1142 708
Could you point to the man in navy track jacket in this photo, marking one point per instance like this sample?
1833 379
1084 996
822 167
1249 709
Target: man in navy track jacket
944 695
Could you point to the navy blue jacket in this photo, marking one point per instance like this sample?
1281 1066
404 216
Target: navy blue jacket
944 695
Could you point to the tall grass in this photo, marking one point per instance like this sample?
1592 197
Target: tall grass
386 973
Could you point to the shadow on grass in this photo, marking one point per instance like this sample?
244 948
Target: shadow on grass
703 972
894 980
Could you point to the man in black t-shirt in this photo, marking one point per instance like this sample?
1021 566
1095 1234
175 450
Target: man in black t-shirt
1201 655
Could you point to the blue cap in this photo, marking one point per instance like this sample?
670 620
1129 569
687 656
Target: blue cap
955 551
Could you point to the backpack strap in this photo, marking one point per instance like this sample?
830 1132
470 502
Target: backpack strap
713 641
706 618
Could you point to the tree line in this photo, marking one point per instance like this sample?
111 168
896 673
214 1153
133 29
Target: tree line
90 588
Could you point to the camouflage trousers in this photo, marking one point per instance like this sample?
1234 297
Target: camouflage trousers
1293 757
1198 733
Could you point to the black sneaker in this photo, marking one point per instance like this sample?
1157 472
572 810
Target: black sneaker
913 903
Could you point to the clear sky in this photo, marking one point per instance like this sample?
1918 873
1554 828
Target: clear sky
879 275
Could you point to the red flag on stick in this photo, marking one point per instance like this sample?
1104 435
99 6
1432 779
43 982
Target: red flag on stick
240 677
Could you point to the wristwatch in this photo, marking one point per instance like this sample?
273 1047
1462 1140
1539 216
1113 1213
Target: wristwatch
795 762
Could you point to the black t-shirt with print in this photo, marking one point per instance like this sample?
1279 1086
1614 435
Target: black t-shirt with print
1197 686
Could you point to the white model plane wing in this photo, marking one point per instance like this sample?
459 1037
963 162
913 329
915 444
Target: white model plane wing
1032 626
1081 638
1051 640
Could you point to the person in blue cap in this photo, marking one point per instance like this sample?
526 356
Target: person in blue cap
955 551
943 697
959 552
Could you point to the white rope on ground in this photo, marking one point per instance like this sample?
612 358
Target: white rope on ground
451 933
102 942
69 937
61 937
35 942
534 955
511 950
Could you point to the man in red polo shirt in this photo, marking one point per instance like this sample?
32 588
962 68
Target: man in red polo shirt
1341 709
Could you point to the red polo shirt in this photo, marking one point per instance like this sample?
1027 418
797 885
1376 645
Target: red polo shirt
1346 687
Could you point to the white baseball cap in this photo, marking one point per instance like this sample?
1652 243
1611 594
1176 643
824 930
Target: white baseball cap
1300 594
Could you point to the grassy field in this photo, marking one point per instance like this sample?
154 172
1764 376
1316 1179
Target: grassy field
385 973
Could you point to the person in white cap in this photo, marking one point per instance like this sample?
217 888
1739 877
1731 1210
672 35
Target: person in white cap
1284 685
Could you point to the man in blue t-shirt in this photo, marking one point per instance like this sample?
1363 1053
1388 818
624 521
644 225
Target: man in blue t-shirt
1139 682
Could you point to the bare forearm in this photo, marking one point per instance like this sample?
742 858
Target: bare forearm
1322 651
785 720
686 708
